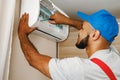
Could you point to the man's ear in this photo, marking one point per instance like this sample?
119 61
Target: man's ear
95 34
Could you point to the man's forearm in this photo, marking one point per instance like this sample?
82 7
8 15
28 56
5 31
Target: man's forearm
59 18
74 23
34 58
27 47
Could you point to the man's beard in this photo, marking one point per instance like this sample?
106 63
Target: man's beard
83 44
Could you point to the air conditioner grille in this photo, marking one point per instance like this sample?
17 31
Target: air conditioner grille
48 4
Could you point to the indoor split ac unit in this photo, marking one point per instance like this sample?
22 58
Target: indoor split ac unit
42 10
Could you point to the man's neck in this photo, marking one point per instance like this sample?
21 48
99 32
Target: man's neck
91 50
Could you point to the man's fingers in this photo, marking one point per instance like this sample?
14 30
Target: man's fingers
52 22
27 17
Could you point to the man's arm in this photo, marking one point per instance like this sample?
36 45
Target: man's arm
59 18
34 58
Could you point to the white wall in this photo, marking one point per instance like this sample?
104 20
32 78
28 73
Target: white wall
19 67
7 8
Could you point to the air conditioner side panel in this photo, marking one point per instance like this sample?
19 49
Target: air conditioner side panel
31 7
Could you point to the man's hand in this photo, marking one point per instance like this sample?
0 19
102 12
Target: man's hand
58 18
23 25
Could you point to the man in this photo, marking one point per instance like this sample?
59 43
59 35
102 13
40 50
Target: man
96 33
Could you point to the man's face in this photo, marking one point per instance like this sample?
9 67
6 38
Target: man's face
83 36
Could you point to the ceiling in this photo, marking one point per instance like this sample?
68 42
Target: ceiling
88 6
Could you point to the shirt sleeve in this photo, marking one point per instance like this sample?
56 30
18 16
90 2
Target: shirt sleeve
66 69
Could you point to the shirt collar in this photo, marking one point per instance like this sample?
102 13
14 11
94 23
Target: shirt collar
100 53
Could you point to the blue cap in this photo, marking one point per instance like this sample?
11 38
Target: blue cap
103 21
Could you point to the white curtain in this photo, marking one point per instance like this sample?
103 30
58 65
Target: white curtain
7 8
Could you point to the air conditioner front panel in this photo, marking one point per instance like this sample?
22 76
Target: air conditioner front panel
53 31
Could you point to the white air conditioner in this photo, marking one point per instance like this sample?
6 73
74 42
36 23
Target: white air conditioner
41 10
